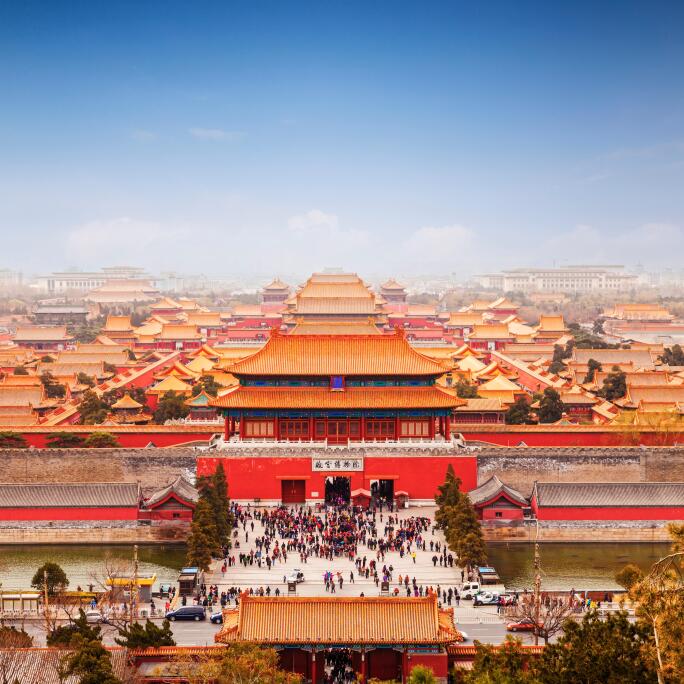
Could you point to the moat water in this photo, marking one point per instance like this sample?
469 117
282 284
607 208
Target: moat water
564 566
567 566
87 564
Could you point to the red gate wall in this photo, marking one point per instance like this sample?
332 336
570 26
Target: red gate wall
261 477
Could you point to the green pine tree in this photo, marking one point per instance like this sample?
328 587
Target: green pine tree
92 410
519 412
614 385
465 390
550 406
89 662
135 635
464 534
448 494
12 440
504 664
221 505
592 367
203 539
170 407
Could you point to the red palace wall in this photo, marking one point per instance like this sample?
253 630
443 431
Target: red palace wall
69 513
262 477
611 513
506 513
438 663
500 435
160 436
511 435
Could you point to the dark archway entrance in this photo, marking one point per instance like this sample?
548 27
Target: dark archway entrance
340 666
337 490
382 490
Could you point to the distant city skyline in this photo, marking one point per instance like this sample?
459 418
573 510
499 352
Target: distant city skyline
405 138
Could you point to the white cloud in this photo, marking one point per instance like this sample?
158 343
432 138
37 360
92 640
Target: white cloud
443 240
216 134
313 221
439 249
122 238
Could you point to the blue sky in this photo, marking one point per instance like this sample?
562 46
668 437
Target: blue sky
417 137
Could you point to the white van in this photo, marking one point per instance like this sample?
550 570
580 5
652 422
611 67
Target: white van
469 589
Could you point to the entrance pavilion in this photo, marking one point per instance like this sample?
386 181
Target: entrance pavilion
382 637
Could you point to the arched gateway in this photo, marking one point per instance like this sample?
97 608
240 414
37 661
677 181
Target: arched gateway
378 637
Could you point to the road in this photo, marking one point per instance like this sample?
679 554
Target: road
202 633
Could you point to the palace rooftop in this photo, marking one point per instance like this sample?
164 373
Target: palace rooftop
302 355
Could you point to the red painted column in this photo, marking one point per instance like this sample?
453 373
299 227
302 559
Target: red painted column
396 428
313 667
363 667
242 427
363 427
404 666
311 427
226 428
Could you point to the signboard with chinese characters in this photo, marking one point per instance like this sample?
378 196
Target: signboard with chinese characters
336 464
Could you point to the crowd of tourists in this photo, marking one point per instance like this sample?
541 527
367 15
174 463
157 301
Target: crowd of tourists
362 536
327 532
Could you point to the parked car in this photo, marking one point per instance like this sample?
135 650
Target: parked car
469 589
296 576
187 613
217 618
94 617
486 598
524 625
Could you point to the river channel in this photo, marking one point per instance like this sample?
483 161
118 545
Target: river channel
564 566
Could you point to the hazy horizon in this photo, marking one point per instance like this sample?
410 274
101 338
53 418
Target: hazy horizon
407 138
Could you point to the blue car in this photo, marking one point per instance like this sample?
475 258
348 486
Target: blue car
217 618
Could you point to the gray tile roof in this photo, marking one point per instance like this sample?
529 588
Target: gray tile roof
491 488
576 494
41 665
82 495
179 486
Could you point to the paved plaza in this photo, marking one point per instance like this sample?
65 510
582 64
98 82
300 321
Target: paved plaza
423 569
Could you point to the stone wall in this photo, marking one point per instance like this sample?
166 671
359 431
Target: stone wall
153 468
520 467
581 531
517 466
92 535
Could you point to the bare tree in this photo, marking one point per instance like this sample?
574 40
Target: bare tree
548 617
660 599
111 579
